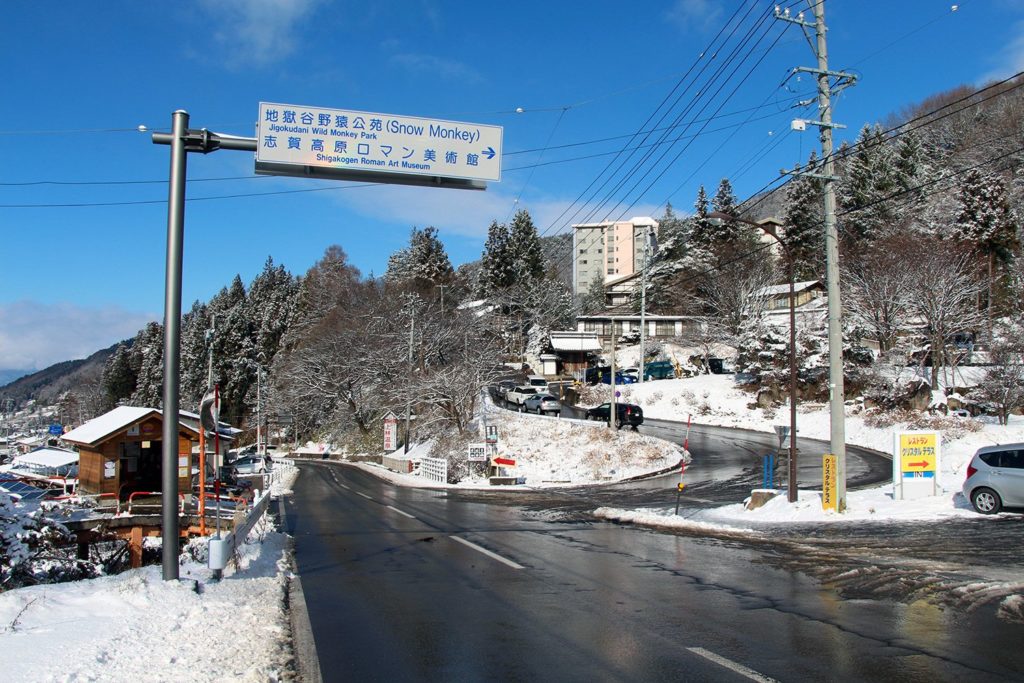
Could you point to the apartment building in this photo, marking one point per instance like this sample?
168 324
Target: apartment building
609 250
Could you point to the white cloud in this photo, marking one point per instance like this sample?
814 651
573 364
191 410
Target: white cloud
465 212
446 69
695 15
1010 58
34 335
256 32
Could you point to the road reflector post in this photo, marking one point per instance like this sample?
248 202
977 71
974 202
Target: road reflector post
829 484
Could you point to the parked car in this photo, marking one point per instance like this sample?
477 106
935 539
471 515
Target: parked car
606 378
517 395
593 375
625 414
505 386
659 369
542 403
538 381
631 372
250 464
995 477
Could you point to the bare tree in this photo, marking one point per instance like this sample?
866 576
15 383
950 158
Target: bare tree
1003 383
735 295
943 296
878 287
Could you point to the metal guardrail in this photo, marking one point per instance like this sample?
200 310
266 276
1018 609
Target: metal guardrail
222 548
434 469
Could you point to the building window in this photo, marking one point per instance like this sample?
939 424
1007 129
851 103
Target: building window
664 329
583 251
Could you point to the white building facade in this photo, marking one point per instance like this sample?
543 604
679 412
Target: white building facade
609 250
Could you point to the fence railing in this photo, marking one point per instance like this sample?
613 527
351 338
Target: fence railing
434 469
222 549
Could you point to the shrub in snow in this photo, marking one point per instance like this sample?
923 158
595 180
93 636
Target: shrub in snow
35 548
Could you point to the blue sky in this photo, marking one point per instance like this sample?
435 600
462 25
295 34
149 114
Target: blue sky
81 77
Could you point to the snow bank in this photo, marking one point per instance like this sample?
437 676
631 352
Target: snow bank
136 626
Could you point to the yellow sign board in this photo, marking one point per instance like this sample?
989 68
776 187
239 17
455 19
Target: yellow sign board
829 492
918 453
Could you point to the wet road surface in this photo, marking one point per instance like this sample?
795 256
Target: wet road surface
409 584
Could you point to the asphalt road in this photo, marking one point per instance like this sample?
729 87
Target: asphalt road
410 584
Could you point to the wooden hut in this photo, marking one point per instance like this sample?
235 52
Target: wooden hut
121 451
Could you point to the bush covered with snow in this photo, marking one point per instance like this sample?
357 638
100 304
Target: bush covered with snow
36 548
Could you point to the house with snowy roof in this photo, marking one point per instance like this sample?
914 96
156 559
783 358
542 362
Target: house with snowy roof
120 452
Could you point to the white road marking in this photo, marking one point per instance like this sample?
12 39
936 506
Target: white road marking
488 553
360 493
731 665
401 512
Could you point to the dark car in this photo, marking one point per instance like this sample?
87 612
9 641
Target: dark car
606 378
659 369
593 375
625 413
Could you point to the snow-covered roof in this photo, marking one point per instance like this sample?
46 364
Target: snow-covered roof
773 290
47 457
96 429
574 341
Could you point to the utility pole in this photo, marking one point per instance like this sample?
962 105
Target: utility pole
613 404
827 175
643 305
408 396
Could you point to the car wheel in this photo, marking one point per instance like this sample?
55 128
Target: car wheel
986 501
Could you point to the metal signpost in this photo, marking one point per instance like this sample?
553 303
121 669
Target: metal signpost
915 464
309 142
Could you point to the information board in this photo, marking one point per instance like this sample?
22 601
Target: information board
915 464
322 142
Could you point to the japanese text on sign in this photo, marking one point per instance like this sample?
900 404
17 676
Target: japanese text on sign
354 140
829 494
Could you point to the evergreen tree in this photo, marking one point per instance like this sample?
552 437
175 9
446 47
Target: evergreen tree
428 260
804 228
119 378
672 235
271 303
194 356
497 269
524 247
985 218
986 222
702 232
724 201
869 177
147 359
399 265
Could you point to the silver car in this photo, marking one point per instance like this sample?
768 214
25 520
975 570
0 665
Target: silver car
542 403
995 477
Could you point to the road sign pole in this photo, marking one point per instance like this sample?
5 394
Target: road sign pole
172 338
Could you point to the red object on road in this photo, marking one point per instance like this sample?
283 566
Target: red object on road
505 461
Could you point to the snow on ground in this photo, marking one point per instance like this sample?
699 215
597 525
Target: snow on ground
135 626
552 451
716 400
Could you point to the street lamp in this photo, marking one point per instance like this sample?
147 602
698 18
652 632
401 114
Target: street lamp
768 226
